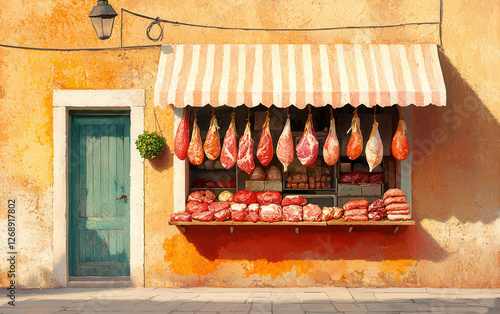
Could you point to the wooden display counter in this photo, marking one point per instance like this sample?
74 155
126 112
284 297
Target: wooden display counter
339 222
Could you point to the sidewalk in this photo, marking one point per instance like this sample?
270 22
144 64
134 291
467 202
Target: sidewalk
254 300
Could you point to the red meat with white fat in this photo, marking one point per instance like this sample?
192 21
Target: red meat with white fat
312 213
308 147
195 207
294 200
204 216
269 197
245 197
284 149
245 152
292 213
181 217
265 147
271 213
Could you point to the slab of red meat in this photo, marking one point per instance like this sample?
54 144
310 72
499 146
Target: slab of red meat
218 206
212 141
294 200
204 216
399 217
269 197
229 152
223 215
393 193
397 206
400 147
395 199
195 206
265 148
327 213
398 212
377 177
308 148
198 183
181 141
312 213
375 215
292 213
356 218
284 149
355 145
337 212
352 177
245 197
374 149
355 212
253 217
271 213
181 217
238 212
245 152
231 183
220 183
356 204
331 150
195 148
209 197
253 208
376 205
196 196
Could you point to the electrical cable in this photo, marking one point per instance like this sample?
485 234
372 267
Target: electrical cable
158 21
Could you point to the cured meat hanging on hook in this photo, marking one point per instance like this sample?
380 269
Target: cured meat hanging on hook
374 149
229 152
331 148
355 145
181 141
212 142
245 152
265 148
307 148
284 149
400 147
195 149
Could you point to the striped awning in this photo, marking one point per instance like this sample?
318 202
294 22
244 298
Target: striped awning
285 75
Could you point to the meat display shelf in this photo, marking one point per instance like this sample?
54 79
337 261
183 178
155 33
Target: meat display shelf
339 222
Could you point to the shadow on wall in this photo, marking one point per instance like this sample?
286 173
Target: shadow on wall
456 163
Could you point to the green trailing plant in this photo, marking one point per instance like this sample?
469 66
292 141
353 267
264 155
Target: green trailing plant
150 145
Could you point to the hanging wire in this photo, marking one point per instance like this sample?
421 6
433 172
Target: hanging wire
150 26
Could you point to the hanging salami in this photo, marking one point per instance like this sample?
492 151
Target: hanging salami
229 152
307 148
195 148
181 141
284 149
355 145
212 142
245 152
374 149
331 149
265 148
400 147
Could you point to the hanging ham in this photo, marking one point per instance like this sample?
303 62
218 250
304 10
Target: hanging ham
181 141
355 145
331 149
245 153
265 148
229 150
212 142
307 148
374 148
195 149
284 149
400 147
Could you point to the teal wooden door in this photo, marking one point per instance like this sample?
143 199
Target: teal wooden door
99 170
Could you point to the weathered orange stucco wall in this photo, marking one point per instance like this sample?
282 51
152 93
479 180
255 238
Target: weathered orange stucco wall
456 166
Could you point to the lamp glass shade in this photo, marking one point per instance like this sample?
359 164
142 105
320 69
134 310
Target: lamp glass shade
103 18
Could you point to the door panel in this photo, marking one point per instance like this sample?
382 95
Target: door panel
99 228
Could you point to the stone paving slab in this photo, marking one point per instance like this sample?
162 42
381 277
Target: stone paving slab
255 300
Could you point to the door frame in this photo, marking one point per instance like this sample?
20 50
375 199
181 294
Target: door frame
63 102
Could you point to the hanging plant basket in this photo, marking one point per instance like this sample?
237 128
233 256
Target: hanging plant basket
150 144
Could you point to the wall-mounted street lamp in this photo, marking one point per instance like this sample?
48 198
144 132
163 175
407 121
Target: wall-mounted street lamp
102 17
